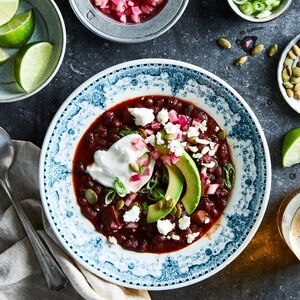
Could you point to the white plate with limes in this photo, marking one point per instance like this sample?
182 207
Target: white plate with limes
32 46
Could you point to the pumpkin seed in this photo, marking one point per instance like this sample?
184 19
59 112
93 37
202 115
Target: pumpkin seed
224 43
258 49
296 50
285 75
170 137
241 60
120 204
296 72
179 211
297 95
290 93
273 50
160 204
292 55
289 71
288 62
295 80
134 167
222 135
90 196
173 212
297 87
288 85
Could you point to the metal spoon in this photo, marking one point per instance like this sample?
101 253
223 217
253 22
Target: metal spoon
54 276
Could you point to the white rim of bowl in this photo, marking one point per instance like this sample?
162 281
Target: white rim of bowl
58 65
273 16
127 40
189 66
292 102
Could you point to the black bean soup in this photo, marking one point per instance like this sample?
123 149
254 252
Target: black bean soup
216 178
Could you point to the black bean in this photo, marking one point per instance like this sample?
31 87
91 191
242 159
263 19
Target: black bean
90 139
148 102
116 123
218 172
172 102
80 167
108 117
114 137
188 110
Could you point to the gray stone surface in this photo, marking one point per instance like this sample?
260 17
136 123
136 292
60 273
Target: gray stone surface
266 269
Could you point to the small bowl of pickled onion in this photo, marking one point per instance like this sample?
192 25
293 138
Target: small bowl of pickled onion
129 21
259 11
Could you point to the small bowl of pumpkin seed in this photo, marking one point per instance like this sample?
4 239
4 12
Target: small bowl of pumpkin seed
288 73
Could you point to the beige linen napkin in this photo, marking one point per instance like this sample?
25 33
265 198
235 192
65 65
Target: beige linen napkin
20 275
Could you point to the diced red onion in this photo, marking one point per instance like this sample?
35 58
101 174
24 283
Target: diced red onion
136 177
212 189
173 116
155 125
182 120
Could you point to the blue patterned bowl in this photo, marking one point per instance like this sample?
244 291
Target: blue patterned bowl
223 243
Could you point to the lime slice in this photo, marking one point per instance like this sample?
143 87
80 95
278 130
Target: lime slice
291 148
18 30
31 65
3 57
8 8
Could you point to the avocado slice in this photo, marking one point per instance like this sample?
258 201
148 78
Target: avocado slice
190 172
173 194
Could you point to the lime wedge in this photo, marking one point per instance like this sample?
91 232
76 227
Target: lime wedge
31 65
18 30
3 57
8 9
291 148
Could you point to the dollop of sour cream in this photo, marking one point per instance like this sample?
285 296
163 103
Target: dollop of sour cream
114 163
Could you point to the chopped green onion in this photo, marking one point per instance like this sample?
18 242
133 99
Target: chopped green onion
165 177
110 196
156 195
119 187
247 8
258 6
145 208
127 132
90 196
229 176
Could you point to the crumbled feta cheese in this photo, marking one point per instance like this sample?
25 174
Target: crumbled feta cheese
163 116
203 126
164 226
176 147
184 222
210 165
217 128
205 150
197 156
206 220
150 140
213 151
193 148
112 240
132 215
142 116
172 128
159 140
193 132
191 236
175 237
212 145
202 141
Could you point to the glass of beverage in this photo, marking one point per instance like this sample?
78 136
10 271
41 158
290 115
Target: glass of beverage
289 221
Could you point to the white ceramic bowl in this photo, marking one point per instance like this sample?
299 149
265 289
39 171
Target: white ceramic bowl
293 103
275 14
227 238
49 27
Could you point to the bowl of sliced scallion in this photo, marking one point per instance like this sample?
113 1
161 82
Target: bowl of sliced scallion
259 11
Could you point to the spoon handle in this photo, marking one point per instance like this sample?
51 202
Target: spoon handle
54 276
